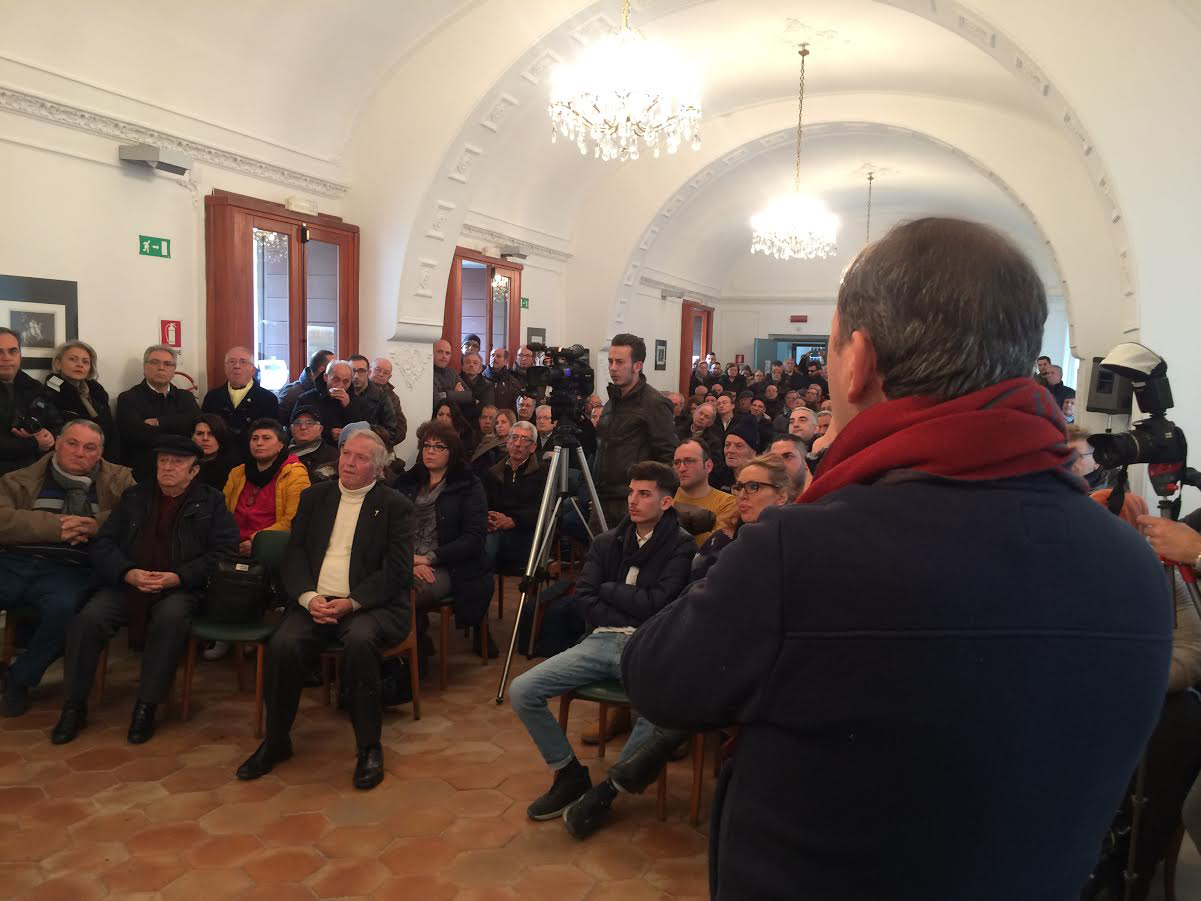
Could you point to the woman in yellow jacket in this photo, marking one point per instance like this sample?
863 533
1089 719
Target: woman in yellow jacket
264 493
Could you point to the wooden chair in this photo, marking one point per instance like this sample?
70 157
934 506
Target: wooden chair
446 612
331 677
268 549
8 648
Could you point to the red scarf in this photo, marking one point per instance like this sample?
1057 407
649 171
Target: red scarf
1007 430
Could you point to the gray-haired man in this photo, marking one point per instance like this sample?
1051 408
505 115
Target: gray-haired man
153 408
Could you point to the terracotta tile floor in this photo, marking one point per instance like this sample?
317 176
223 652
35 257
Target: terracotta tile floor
99 817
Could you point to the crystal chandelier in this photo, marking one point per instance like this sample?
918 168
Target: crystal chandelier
623 91
795 225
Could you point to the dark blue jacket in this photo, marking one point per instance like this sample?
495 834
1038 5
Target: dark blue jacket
943 689
258 403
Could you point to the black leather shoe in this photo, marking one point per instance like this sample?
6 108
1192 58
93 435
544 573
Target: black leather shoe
73 718
15 701
369 771
141 724
263 760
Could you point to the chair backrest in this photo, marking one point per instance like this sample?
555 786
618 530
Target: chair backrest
268 548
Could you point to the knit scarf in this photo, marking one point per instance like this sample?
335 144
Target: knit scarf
1010 429
75 488
261 478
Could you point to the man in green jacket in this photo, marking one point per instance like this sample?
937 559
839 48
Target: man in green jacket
48 512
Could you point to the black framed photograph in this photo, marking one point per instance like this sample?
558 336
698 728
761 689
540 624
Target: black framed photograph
43 311
660 354
535 335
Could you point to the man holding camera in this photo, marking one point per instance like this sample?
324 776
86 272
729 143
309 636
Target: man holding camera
27 421
637 424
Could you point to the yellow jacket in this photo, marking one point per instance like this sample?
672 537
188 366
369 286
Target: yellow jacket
293 478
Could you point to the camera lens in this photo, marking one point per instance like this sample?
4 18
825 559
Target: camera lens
1110 451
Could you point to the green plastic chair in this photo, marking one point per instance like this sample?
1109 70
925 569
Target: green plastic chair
268 549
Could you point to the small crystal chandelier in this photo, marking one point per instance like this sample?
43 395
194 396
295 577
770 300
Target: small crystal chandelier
796 225
622 91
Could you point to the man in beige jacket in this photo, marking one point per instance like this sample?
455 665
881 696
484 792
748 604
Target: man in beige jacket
48 513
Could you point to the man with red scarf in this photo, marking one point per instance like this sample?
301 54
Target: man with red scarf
954 706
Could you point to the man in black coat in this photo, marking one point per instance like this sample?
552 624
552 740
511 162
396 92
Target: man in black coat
636 424
632 572
504 385
377 406
953 706
241 400
335 401
20 396
153 555
514 489
349 568
151 409
311 377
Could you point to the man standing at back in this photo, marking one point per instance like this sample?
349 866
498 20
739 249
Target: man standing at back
961 685
151 409
636 425
241 400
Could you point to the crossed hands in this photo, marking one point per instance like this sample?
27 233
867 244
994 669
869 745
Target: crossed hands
151 582
328 611
76 529
498 522
422 569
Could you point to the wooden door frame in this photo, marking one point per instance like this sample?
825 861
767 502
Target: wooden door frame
688 308
452 314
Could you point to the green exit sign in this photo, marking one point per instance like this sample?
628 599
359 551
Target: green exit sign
154 247
525 303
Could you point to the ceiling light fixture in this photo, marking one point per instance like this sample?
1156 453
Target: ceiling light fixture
624 91
796 225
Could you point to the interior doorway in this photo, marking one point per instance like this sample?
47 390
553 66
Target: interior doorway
482 298
696 338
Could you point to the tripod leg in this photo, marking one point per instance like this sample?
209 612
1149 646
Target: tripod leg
596 504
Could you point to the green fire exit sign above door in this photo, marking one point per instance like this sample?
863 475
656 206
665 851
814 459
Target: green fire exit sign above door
154 247
525 303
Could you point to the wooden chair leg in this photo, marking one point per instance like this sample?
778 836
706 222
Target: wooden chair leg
443 646
189 669
661 795
1169 865
603 728
101 676
698 776
539 613
239 664
414 680
483 633
564 709
259 652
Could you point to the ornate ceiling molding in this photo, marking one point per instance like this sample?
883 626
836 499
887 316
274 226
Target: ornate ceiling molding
106 126
495 237
671 289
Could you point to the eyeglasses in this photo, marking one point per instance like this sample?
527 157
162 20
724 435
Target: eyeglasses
686 461
750 487
359 371
304 423
169 364
522 439
429 445
240 361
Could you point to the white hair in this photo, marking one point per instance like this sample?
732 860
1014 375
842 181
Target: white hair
379 451
526 426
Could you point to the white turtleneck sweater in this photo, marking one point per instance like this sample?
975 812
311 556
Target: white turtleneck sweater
334 579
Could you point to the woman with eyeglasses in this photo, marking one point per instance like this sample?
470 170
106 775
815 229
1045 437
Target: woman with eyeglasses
450 525
762 482
491 449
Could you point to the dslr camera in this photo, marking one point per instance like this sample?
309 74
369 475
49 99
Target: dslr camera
37 416
568 374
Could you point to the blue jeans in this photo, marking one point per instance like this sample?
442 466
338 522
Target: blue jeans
508 549
596 658
54 591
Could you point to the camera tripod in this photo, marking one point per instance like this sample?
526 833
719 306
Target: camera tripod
556 498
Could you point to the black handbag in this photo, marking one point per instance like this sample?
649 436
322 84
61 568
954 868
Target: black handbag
237 591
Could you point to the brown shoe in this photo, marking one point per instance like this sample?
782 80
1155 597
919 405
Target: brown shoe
617 723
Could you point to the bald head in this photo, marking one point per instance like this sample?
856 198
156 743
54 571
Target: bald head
442 353
239 367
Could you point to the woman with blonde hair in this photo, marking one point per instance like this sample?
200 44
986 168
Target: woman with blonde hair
761 482
72 387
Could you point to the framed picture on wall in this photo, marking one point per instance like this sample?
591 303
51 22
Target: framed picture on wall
43 311
660 354
535 336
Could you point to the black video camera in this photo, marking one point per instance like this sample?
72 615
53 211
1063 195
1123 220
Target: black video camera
570 377
37 416
1156 440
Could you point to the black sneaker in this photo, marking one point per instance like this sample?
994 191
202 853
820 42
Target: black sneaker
15 701
571 782
586 815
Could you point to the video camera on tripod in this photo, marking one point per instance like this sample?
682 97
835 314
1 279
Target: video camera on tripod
570 378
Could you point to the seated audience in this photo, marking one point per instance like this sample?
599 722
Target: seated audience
493 447
762 419
241 400
742 406
312 378
152 557
545 427
813 396
823 422
699 377
347 571
733 381
703 419
482 392
791 449
683 418
1069 409
1085 464
792 400
741 443
487 420
451 523
72 388
49 511
802 422
955 567
526 407
762 482
447 412
28 418
794 378
264 493
152 409
514 490
375 407
693 465
334 401
633 571
320 458
381 377
217 455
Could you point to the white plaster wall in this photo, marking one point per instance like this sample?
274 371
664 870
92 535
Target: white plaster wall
654 316
74 212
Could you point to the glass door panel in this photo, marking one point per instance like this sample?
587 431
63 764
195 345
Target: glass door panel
272 286
474 318
502 289
321 296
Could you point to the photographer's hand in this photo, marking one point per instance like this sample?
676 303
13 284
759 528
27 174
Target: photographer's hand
1174 541
44 439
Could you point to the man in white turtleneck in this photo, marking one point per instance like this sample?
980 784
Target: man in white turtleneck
349 565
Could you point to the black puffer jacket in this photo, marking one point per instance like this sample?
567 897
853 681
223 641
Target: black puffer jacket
176 412
462 511
640 426
64 394
516 494
258 403
17 453
663 564
204 533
